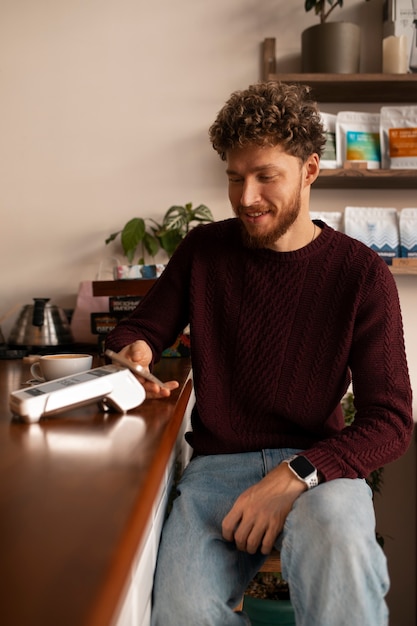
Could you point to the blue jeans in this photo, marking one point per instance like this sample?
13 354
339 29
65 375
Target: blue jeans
336 570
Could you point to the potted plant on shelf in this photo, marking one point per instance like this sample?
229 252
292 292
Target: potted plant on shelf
329 47
150 237
176 224
267 600
267 597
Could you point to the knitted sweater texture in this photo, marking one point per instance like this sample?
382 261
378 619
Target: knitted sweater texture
275 339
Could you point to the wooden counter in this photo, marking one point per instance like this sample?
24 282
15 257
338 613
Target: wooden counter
76 495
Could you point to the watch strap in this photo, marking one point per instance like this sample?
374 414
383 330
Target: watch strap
307 474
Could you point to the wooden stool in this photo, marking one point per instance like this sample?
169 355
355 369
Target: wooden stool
272 563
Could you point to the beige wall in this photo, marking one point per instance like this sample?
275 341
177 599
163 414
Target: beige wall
105 106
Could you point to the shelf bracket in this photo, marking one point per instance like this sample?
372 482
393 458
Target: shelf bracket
268 58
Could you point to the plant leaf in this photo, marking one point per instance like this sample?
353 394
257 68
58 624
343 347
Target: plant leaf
151 244
113 236
310 4
175 218
132 234
169 240
203 214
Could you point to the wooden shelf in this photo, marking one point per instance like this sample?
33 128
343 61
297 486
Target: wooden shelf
378 88
128 287
403 271
342 178
387 88
404 266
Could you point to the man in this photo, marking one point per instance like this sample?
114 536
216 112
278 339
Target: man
282 311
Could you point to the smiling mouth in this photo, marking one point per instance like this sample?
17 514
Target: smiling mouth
254 215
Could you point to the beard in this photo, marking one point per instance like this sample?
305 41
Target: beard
283 222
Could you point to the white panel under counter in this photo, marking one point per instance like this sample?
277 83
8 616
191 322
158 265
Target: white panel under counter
135 609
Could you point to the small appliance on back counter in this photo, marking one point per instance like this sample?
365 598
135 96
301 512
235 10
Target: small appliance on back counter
40 328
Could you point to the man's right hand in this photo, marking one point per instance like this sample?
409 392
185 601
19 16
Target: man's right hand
139 352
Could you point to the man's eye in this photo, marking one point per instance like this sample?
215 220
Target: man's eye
235 179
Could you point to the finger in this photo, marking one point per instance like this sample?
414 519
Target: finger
242 540
230 524
172 384
155 391
272 530
254 540
236 528
268 543
139 354
151 386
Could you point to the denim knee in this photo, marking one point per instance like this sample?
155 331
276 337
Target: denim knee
336 570
337 509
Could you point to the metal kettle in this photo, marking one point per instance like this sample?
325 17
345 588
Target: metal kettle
41 324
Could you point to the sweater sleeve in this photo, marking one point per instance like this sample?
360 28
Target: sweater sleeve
164 312
382 429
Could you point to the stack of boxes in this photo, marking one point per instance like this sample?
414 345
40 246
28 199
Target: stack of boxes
119 308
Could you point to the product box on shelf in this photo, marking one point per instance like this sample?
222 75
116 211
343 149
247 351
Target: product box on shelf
123 304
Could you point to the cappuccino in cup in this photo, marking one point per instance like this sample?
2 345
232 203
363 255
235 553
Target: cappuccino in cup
51 366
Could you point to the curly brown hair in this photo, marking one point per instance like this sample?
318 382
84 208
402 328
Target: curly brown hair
270 114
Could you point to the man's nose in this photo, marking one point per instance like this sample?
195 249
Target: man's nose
250 194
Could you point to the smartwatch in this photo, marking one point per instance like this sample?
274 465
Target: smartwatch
304 470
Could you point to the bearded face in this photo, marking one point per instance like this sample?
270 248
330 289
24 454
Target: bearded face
265 191
281 221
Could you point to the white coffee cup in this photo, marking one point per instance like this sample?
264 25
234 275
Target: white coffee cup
51 366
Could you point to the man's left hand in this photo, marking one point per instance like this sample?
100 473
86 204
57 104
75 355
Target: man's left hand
258 515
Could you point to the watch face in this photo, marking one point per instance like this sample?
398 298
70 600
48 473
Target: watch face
302 466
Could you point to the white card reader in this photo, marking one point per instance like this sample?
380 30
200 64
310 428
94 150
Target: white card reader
114 386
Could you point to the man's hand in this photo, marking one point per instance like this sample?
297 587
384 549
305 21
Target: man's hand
139 352
258 515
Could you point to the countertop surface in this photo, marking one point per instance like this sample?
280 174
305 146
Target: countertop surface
76 491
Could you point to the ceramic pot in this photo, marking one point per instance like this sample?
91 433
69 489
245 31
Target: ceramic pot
269 612
332 47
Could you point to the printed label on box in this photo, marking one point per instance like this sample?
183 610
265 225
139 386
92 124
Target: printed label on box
362 146
403 142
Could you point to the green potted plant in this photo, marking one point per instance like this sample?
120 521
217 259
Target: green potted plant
176 224
137 232
329 47
146 237
322 8
267 601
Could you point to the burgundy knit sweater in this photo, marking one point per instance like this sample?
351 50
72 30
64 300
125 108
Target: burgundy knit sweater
275 337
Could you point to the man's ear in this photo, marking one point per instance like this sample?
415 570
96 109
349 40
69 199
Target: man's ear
311 169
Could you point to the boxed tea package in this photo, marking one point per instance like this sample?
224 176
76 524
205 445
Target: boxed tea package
376 227
408 232
357 138
398 137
